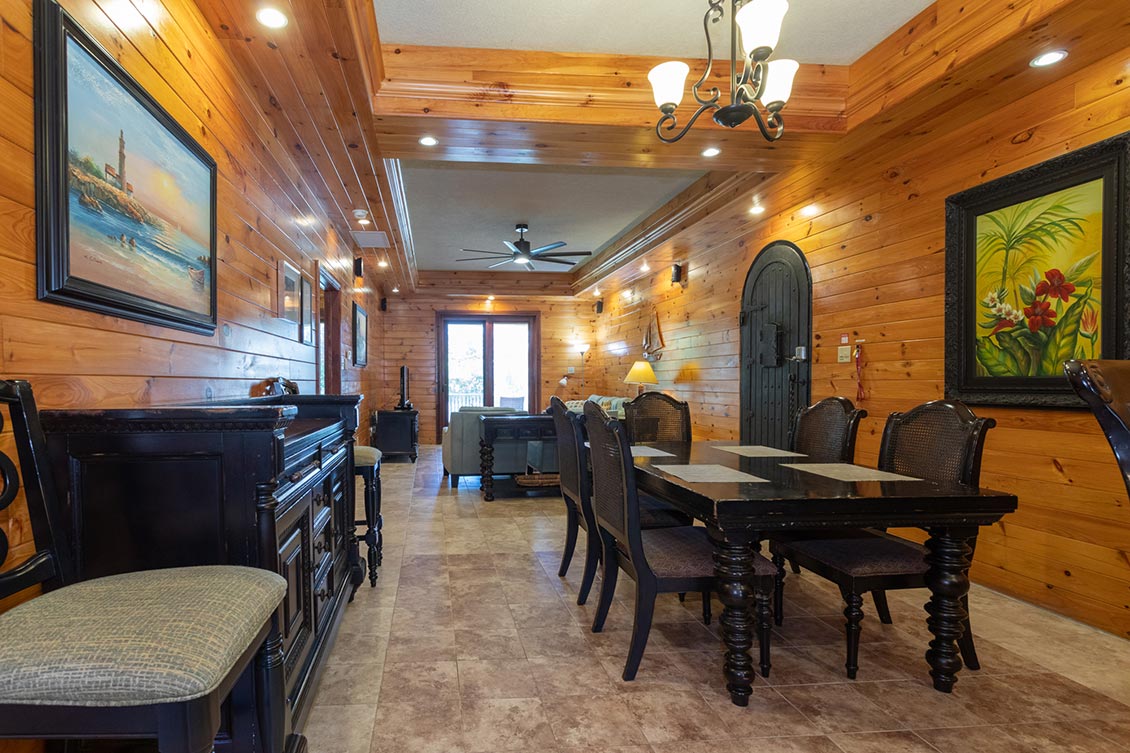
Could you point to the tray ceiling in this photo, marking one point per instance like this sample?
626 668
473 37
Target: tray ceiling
834 32
466 205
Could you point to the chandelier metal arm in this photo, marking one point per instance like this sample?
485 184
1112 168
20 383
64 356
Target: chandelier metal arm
713 15
772 126
671 122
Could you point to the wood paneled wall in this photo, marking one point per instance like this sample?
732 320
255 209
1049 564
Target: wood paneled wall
410 339
876 248
78 359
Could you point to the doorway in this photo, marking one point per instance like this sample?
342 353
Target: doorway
776 340
486 360
329 335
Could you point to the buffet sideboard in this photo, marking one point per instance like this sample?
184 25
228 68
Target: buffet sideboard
264 482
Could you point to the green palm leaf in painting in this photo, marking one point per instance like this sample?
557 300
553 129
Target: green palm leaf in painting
1025 235
1063 338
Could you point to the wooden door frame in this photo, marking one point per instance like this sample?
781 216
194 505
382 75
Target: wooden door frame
533 318
328 345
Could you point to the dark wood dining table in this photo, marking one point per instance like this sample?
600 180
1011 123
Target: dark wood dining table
739 515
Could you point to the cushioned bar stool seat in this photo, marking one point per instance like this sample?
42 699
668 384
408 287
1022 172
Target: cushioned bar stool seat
161 636
367 465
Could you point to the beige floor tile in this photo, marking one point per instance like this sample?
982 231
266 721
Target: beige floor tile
496 678
491 725
767 715
588 720
574 675
840 708
882 742
340 729
488 644
667 716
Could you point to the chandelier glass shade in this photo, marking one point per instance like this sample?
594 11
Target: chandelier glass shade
755 27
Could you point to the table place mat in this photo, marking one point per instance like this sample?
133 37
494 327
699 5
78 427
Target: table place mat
758 451
650 452
848 472
707 473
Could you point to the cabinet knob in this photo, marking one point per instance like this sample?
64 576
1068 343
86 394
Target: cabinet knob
319 547
322 594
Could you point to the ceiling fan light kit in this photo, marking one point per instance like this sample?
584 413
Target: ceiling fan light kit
521 252
755 27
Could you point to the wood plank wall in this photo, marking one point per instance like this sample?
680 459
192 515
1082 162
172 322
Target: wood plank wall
876 248
79 359
410 339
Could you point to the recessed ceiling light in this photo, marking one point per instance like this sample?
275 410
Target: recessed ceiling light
490 297
396 288
305 221
1048 58
596 292
382 264
429 141
711 151
272 18
627 294
810 211
644 267
757 209
364 222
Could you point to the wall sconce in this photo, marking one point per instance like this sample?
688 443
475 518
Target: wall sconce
676 274
600 307
563 381
358 266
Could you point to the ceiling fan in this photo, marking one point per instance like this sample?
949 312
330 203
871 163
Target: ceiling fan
521 253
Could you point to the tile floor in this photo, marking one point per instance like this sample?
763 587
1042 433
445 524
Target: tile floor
471 643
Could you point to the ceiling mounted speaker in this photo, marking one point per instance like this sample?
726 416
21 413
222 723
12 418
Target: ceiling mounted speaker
358 266
384 304
676 273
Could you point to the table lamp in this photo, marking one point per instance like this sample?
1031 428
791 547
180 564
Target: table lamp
641 374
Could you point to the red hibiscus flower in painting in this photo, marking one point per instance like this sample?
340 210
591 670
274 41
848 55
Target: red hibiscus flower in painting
1055 286
1040 314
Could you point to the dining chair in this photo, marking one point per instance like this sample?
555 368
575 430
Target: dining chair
937 441
1105 388
655 417
576 488
824 432
139 655
660 560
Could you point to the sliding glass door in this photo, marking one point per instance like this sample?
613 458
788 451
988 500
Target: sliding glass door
486 360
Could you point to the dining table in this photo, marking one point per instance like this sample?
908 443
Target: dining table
771 491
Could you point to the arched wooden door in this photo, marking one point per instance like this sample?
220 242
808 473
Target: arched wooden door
776 332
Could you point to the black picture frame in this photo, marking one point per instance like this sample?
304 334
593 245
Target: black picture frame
360 336
55 282
1108 160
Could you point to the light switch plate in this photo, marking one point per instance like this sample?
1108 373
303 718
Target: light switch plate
843 354
572 370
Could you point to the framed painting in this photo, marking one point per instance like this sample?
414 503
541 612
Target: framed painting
289 294
360 336
307 311
1036 275
126 198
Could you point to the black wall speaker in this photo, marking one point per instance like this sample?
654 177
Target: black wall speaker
358 266
676 273
384 304
600 307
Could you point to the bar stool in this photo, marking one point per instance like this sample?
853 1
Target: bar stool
367 465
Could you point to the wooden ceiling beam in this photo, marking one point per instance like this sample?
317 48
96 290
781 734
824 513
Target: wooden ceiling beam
481 283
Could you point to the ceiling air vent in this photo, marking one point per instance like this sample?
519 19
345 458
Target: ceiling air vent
371 238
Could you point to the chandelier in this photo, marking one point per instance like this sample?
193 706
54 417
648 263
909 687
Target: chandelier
755 27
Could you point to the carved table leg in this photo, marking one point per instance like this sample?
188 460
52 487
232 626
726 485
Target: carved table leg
374 522
947 553
486 467
733 566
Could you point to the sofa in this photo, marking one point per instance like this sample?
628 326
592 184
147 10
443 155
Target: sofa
613 406
460 447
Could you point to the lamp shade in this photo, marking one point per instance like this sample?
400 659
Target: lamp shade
668 81
779 77
760 23
641 373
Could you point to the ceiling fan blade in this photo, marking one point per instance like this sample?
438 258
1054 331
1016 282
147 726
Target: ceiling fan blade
564 253
529 267
499 264
484 258
512 247
541 259
488 253
550 247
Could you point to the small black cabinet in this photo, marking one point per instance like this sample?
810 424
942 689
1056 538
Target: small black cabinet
396 432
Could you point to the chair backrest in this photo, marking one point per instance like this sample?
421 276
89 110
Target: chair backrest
570 450
936 441
50 564
1105 387
825 432
655 417
614 498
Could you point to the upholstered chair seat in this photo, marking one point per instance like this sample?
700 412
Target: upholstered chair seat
364 455
686 552
868 554
155 637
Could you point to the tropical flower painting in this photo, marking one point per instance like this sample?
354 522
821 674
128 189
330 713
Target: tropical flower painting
1039 283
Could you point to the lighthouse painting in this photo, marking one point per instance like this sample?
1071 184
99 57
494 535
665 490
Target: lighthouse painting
130 197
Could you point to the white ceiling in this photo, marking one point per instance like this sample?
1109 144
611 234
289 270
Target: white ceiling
456 205
836 32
